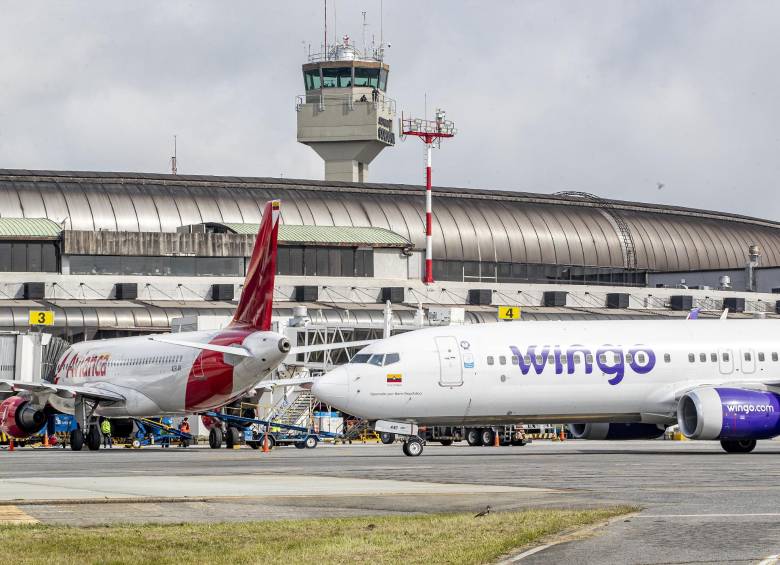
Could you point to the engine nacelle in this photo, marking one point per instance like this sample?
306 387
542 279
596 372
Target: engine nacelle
615 431
19 419
729 414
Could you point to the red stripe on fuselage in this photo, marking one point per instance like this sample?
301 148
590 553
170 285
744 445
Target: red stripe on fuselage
210 382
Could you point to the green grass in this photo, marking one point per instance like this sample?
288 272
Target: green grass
434 538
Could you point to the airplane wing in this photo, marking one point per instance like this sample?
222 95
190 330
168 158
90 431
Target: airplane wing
229 349
285 382
329 346
63 391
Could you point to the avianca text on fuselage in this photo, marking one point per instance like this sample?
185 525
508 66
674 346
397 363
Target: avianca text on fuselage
610 359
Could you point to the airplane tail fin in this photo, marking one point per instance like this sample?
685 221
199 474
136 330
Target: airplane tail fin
256 304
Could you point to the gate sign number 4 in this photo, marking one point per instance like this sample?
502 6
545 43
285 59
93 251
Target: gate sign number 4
41 318
508 313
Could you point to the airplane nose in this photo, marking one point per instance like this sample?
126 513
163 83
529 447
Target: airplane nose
332 388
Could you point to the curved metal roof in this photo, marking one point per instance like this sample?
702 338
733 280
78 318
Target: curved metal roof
470 225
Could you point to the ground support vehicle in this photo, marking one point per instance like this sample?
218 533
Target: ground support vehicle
151 432
253 431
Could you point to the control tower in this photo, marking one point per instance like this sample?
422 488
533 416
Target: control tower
345 115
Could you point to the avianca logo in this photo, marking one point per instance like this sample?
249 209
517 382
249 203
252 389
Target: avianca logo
748 408
611 360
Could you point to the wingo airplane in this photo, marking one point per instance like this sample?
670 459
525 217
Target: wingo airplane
168 374
718 380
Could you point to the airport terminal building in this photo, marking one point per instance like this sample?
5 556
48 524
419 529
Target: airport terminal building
125 253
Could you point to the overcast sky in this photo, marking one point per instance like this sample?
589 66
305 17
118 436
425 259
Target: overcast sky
604 97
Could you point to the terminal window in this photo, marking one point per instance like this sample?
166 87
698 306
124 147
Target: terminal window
28 257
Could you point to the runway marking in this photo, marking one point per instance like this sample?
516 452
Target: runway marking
13 515
528 553
757 514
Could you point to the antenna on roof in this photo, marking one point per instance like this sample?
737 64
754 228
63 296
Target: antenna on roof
174 168
364 33
325 47
381 25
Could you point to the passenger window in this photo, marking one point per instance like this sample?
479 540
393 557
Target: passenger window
539 360
667 358
515 360
761 356
714 357
527 359
576 359
726 356
502 360
589 359
774 356
691 358
602 358
640 358
490 360
703 357
376 359
629 358
391 358
563 360
748 356
550 359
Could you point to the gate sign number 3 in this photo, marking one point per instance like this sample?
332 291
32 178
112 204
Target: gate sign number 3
41 318
508 313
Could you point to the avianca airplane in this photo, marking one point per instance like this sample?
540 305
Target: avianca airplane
169 374
719 380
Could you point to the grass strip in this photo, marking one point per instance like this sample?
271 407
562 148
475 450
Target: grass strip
431 538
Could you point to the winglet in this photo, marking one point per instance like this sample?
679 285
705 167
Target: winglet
256 304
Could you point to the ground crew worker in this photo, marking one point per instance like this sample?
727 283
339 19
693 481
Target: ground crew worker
105 428
184 428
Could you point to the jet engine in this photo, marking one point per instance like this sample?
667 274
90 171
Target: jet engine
729 414
19 419
615 431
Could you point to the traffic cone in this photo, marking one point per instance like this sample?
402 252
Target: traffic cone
46 440
496 440
10 444
563 434
265 443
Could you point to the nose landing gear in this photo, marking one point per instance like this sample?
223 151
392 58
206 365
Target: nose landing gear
413 446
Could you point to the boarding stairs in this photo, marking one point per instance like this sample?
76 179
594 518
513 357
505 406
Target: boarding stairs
295 412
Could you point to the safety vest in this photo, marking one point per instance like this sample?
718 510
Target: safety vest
105 427
184 428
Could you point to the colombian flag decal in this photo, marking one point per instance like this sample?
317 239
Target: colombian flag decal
395 379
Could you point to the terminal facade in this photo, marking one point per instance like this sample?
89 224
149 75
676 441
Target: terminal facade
124 253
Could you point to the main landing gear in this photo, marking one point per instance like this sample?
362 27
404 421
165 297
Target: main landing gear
86 420
413 446
738 446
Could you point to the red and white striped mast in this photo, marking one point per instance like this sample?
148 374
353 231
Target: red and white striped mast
430 132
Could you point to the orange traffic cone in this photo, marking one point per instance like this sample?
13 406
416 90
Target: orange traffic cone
45 440
265 443
10 444
563 434
496 439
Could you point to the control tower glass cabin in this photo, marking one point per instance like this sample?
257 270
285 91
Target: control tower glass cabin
345 115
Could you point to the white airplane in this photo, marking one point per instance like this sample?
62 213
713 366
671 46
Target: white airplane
719 380
166 374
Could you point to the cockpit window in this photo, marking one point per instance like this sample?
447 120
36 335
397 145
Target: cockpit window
361 358
391 358
377 359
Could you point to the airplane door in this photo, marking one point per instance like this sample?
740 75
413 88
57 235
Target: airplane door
726 361
748 361
451 371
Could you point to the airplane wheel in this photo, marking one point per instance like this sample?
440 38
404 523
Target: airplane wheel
473 437
215 438
743 446
387 438
311 442
94 438
300 444
486 436
76 440
413 447
446 442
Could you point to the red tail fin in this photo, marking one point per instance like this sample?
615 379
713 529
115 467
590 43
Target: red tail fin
257 298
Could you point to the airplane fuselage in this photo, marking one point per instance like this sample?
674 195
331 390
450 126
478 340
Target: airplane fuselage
158 378
594 371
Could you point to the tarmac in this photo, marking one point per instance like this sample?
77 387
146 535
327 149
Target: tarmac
698 504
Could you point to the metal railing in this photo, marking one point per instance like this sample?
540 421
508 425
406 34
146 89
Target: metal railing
349 101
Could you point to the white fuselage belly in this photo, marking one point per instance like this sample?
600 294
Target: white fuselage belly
445 375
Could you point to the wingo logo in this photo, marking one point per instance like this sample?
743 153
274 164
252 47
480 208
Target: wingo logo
611 360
